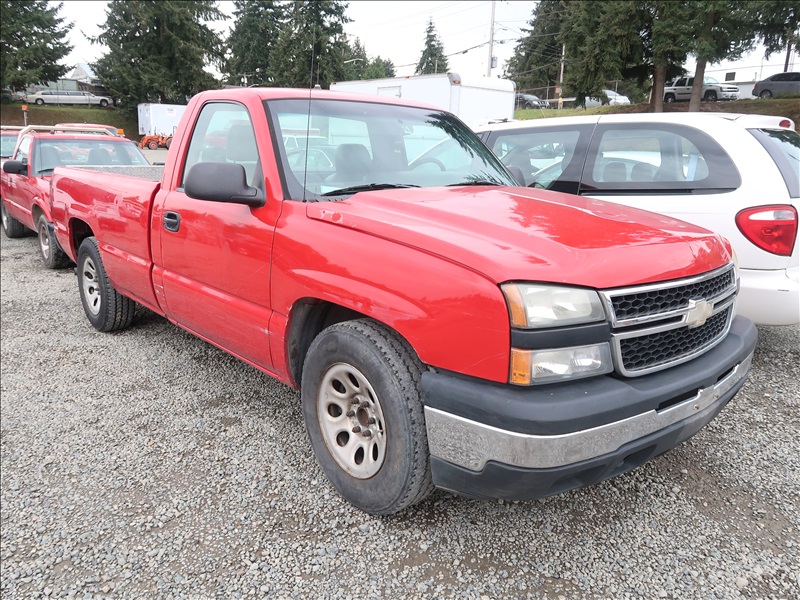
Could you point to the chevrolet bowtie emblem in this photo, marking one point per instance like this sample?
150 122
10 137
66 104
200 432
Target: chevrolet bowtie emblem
699 311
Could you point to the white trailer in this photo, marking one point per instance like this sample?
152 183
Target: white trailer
474 100
159 119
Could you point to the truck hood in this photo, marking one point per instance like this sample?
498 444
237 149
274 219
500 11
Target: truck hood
509 233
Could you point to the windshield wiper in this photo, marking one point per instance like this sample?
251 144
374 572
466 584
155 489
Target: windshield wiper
477 182
369 187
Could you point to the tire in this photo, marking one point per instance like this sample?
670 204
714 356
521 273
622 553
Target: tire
11 227
710 96
105 307
53 257
39 101
152 145
766 94
168 143
669 98
103 103
375 455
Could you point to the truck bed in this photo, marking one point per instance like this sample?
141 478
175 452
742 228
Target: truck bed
115 202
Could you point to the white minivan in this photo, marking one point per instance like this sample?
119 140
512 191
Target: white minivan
64 97
734 174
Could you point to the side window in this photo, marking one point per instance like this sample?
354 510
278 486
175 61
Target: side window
547 157
664 159
24 149
224 133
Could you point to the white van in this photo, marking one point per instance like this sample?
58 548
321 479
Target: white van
64 97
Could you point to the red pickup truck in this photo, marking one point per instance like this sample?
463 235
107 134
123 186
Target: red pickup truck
444 327
25 181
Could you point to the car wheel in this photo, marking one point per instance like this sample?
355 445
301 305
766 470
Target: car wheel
364 416
105 307
11 227
103 103
52 255
710 96
152 145
669 98
39 101
766 94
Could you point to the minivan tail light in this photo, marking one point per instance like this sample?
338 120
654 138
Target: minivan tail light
771 228
785 123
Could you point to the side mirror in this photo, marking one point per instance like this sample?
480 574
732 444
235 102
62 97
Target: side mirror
15 167
222 182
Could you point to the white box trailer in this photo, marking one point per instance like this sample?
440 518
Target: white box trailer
474 100
159 119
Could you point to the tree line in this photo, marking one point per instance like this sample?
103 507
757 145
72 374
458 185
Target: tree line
641 44
160 50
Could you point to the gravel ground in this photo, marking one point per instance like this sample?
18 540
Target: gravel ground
148 464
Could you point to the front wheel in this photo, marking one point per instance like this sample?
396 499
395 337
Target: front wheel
710 96
105 307
39 101
11 227
669 98
766 94
364 416
103 103
152 145
53 256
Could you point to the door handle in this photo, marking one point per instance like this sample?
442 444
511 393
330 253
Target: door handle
172 221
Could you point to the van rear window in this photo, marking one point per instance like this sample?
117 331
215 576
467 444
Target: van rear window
783 145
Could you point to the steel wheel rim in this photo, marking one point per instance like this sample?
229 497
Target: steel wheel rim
44 241
91 286
351 421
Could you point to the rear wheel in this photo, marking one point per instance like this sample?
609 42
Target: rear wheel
669 98
168 143
710 96
765 94
364 416
11 227
52 255
105 307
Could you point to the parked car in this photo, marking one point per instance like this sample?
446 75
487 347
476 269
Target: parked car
531 101
680 90
610 97
734 174
64 97
7 97
780 84
25 184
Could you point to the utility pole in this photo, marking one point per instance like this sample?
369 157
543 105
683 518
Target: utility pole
491 44
561 77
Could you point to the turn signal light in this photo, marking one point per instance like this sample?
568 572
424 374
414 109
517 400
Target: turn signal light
771 228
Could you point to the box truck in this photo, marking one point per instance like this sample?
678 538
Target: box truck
159 119
474 100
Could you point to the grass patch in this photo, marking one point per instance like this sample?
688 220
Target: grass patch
778 107
11 114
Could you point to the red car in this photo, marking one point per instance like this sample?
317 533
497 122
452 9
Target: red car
25 185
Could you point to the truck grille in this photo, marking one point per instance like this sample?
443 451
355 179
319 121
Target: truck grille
661 325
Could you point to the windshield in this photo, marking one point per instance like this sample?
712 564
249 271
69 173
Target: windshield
361 146
710 80
8 140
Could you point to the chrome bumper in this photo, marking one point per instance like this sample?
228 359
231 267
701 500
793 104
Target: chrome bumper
471 445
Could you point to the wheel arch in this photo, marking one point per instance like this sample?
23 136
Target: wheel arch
78 231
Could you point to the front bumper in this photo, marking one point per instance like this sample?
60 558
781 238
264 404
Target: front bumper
496 441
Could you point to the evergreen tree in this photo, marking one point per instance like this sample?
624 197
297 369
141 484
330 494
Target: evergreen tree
311 45
433 59
354 61
778 26
379 69
158 50
32 42
536 64
255 33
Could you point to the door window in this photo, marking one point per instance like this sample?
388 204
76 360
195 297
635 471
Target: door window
224 133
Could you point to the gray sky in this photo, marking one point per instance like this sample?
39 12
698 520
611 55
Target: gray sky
395 30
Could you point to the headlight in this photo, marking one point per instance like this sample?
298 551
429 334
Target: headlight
534 306
559 364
